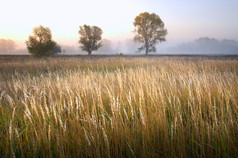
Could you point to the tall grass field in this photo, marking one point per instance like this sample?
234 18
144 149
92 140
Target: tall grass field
119 107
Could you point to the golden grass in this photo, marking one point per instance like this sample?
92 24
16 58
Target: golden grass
119 107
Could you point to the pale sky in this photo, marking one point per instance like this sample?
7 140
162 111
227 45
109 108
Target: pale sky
185 19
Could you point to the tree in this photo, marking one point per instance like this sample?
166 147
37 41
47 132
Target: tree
149 29
41 43
7 46
90 37
57 49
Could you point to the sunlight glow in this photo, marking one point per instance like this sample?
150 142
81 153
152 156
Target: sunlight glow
184 20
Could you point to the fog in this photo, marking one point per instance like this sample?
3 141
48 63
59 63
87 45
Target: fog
7 46
203 45
109 47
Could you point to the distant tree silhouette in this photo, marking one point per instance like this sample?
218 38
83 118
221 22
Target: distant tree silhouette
149 29
90 37
41 43
57 49
206 45
7 45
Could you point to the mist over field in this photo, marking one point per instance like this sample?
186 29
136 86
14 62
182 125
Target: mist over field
202 45
205 45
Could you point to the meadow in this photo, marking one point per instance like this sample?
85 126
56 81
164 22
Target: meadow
119 107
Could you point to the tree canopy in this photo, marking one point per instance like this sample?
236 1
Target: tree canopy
149 29
41 43
90 38
57 49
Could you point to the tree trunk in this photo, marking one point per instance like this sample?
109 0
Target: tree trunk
146 50
146 47
90 53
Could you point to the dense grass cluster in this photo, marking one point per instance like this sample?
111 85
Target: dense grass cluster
119 107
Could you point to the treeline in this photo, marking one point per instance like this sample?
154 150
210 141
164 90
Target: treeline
149 31
206 45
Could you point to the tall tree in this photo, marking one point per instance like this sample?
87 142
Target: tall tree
149 29
41 43
90 38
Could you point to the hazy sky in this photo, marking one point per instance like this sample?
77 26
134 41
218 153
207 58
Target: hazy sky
184 19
